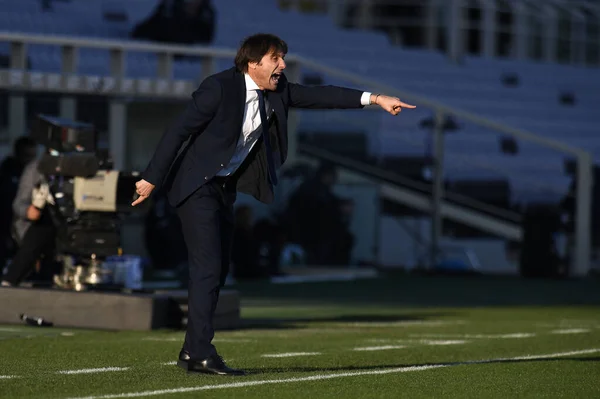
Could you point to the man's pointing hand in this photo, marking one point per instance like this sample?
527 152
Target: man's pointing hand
393 105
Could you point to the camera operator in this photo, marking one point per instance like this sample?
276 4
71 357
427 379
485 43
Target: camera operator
11 169
34 230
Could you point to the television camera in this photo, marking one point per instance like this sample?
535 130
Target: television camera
90 199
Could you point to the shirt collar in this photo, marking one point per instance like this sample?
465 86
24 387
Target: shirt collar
250 85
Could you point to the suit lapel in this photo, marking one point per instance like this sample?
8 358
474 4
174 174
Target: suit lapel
277 106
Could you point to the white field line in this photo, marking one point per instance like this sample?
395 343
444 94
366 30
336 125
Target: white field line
568 326
571 331
379 348
579 321
92 371
172 363
8 377
319 377
476 336
291 354
11 329
432 342
548 356
403 323
442 342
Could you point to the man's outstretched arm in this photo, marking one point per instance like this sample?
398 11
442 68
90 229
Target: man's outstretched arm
324 97
197 115
335 97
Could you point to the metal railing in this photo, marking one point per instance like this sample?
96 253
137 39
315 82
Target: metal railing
17 79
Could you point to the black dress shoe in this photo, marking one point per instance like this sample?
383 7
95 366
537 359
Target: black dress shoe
212 365
184 358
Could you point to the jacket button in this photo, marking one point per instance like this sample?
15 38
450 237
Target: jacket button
222 165
205 177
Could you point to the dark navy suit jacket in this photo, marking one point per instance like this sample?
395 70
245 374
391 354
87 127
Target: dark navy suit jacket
212 123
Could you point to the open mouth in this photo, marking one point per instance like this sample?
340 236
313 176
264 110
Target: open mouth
275 77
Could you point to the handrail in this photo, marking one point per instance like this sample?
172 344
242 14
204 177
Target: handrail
108 44
394 178
428 204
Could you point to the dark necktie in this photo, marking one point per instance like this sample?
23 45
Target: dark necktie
266 136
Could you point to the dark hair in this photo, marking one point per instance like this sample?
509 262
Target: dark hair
254 48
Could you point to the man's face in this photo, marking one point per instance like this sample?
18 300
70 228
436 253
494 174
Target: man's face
266 73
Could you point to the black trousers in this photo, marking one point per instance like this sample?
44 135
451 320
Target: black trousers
207 221
39 239
4 248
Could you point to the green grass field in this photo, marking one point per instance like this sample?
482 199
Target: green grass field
385 338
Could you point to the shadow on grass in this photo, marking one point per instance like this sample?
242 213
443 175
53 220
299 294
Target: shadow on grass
437 291
350 369
296 322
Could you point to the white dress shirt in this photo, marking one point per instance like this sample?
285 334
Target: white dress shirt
251 128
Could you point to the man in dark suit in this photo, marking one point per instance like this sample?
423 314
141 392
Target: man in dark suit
231 137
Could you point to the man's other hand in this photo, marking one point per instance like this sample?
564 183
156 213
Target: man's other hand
143 189
33 213
393 105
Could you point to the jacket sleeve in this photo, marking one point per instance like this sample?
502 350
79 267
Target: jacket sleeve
323 97
197 115
29 179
